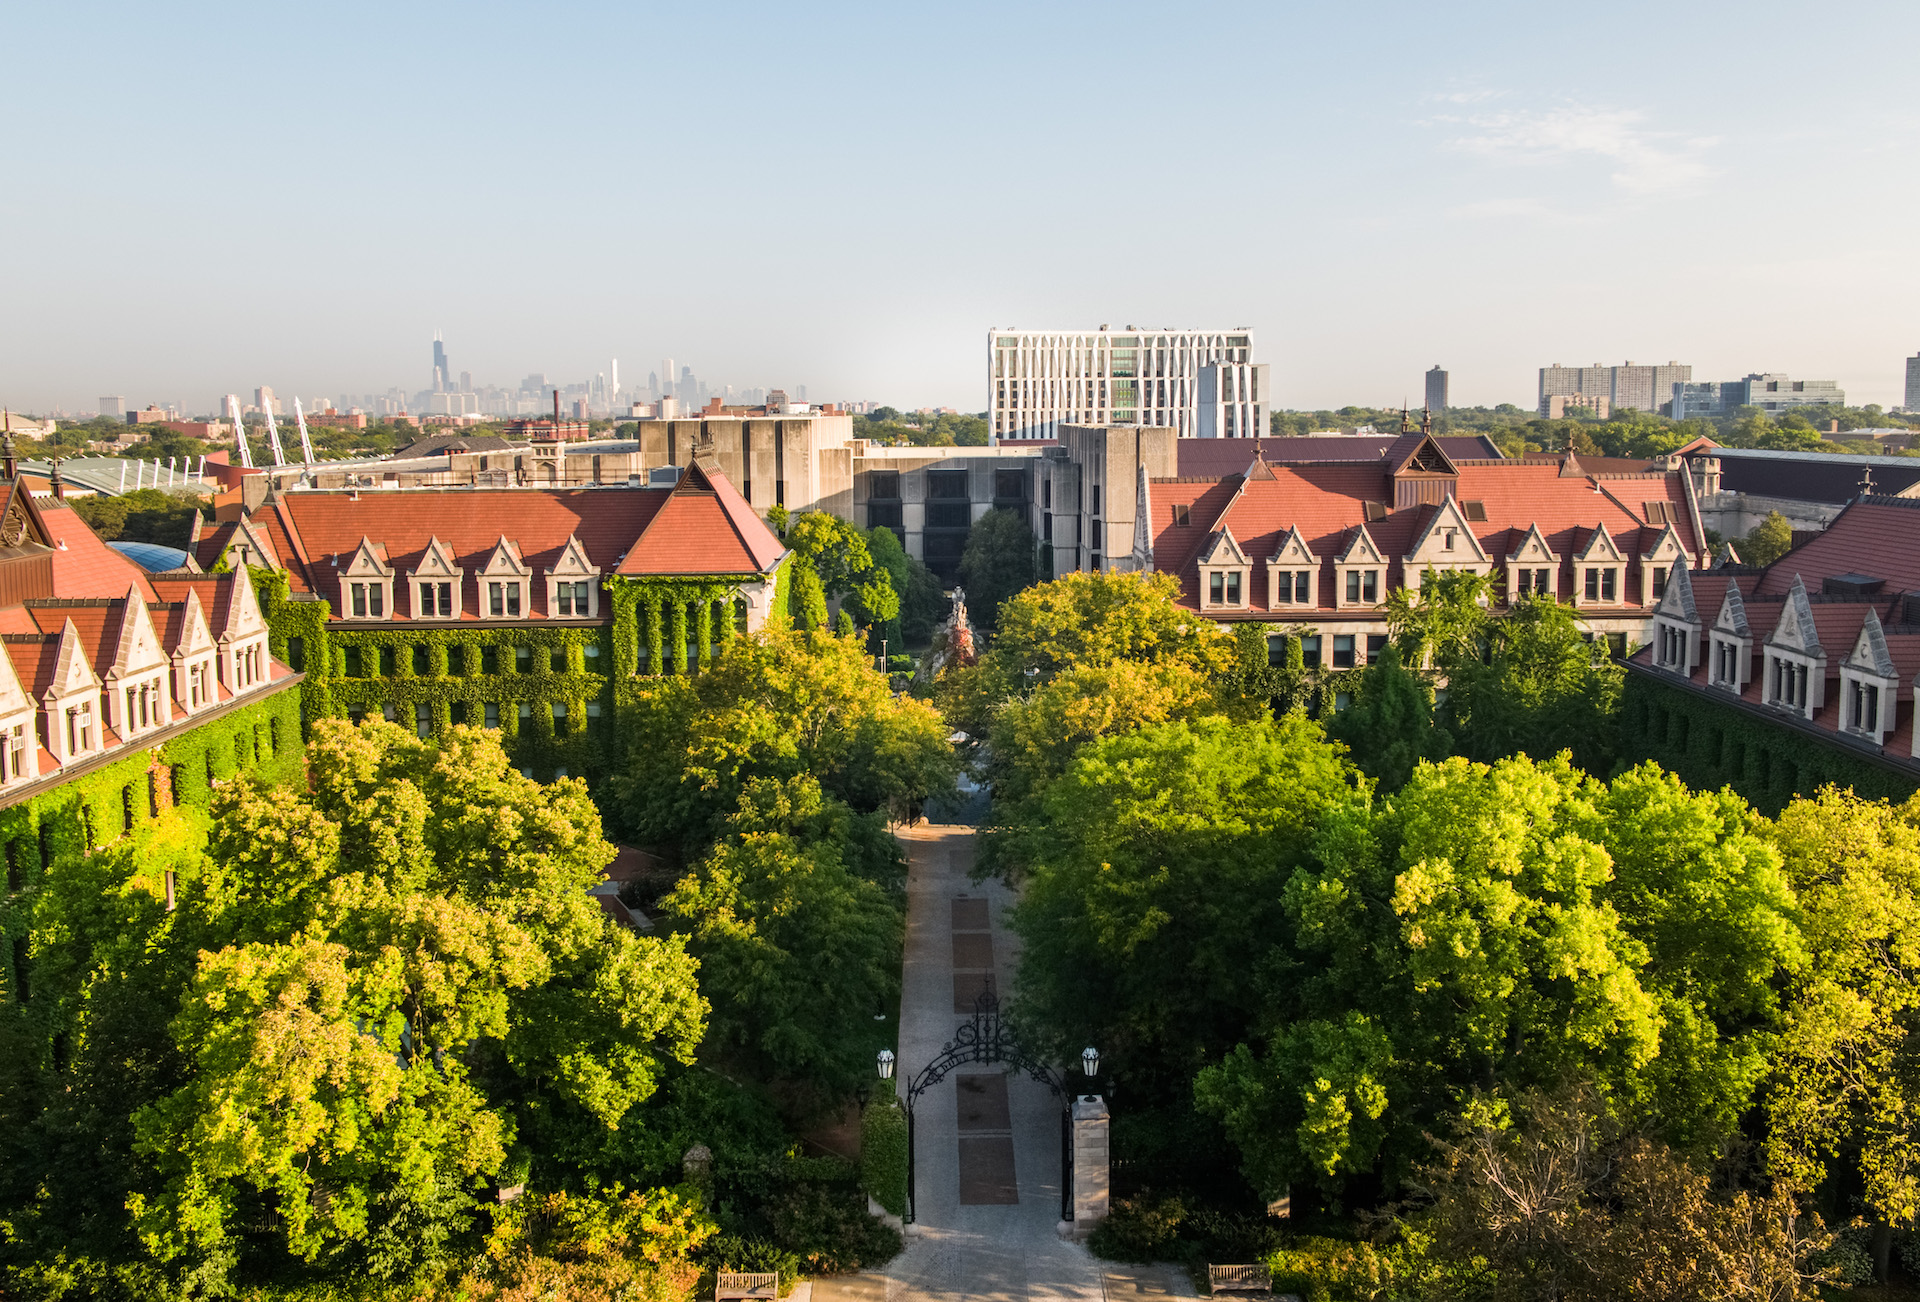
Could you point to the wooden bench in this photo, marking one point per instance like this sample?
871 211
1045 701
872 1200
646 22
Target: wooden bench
1239 1279
740 1284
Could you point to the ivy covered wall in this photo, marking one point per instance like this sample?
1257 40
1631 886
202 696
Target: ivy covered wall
154 800
554 692
1711 745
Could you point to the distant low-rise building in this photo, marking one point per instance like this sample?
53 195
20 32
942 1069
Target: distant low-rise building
1597 405
1199 383
1770 392
1913 383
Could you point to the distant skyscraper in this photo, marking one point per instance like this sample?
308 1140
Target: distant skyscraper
442 373
264 400
1436 389
1913 383
116 406
613 378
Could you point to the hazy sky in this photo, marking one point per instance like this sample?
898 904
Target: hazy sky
201 198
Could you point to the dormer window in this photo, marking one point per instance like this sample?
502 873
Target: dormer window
1727 657
1602 583
1535 581
1787 683
13 753
1363 587
571 597
79 729
1224 588
1659 582
503 599
368 600
1863 707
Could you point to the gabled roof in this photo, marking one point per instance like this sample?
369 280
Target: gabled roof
1599 546
1447 515
1733 613
1870 648
1532 547
368 561
1293 550
137 643
1678 599
703 528
1418 453
573 561
70 670
436 563
1879 536
1795 629
1360 549
1667 538
1221 549
505 558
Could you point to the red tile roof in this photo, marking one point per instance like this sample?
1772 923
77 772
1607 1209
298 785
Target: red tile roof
83 566
1327 503
1877 536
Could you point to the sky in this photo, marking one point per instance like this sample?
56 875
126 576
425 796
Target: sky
202 198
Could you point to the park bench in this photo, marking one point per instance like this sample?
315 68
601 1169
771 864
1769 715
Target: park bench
740 1284
1239 1279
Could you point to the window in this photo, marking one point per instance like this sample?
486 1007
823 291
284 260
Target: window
1376 644
1446 541
1363 586
489 659
523 659
1216 588
1096 499
526 710
491 719
297 655
1310 651
1602 583
1046 493
557 660
423 719
1789 683
1341 700
573 598
1865 707
1659 582
1233 588
15 756
1276 649
1343 650
503 600
388 666
559 716
1182 515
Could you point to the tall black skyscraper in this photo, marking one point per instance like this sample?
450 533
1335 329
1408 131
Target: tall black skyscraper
1436 389
442 373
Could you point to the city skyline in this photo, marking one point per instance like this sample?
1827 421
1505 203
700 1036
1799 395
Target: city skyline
1523 217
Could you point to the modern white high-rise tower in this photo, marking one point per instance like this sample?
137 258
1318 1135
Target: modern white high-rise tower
1202 383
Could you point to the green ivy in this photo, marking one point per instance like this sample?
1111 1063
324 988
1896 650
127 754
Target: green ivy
603 664
1711 745
1292 684
62 825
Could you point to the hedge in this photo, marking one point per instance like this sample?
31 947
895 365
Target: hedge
1710 745
883 1152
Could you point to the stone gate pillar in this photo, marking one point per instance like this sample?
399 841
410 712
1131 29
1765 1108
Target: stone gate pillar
1091 1182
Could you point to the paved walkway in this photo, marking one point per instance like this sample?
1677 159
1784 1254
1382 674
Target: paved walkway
987 1142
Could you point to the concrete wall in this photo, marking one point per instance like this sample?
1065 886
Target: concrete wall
1734 515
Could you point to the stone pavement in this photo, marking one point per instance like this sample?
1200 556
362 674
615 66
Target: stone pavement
987 1144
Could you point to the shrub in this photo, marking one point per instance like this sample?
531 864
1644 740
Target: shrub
830 1229
883 1154
1145 1227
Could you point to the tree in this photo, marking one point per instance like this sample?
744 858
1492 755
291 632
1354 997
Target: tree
1556 1205
1538 688
143 515
1844 1079
831 560
922 603
1443 622
997 563
796 950
1144 926
1771 539
368 992
776 705
1502 929
1389 726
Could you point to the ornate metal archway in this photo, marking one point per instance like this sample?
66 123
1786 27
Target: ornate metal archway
986 1038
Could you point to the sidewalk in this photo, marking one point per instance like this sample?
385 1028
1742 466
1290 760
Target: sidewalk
987 1142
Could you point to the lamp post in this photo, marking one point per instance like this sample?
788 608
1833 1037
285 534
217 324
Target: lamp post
1090 1061
883 1063
1033 679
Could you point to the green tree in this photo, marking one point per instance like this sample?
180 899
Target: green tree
1389 727
143 515
1769 540
796 949
1845 1077
997 563
776 705
1144 925
1538 688
367 992
922 603
1504 929
831 560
